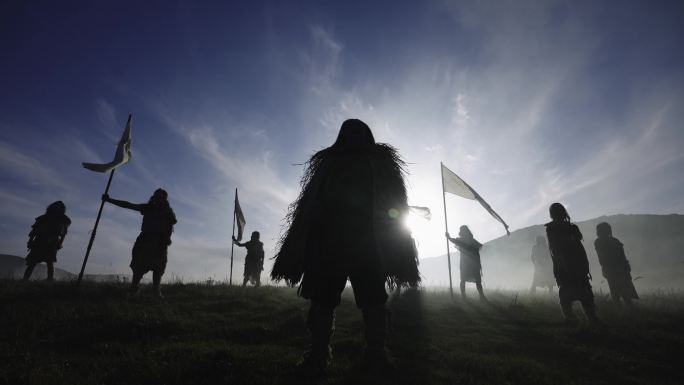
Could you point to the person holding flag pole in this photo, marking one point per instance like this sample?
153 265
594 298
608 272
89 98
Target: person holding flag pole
239 219
453 184
121 157
151 246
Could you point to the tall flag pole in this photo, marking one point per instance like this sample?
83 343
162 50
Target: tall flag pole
121 157
232 243
239 219
446 226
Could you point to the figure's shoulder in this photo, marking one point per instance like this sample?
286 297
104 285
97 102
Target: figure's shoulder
66 220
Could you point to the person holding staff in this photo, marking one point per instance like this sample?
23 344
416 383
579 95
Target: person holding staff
470 263
150 248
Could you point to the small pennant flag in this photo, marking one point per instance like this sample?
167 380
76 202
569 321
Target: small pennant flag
240 218
423 212
455 185
122 156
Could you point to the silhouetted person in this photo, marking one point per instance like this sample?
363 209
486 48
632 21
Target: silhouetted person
543 266
254 260
347 223
470 264
570 264
46 237
150 248
614 265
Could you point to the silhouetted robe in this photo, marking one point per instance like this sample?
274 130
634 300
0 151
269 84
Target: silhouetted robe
254 260
46 235
469 264
151 246
543 266
570 262
615 267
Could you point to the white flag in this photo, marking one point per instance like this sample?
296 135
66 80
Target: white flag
240 217
122 156
455 185
421 211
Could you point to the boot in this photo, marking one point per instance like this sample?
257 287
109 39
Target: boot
321 324
375 357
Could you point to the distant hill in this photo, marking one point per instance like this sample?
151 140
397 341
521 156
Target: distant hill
12 267
654 245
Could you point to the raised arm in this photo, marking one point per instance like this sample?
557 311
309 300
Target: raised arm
235 241
124 204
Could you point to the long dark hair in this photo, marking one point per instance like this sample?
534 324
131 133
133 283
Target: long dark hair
603 230
558 213
56 208
160 196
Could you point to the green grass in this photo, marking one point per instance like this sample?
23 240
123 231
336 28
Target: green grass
214 334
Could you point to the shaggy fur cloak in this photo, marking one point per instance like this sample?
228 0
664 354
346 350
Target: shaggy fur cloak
394 246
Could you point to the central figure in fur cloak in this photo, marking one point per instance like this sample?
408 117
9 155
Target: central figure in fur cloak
347 223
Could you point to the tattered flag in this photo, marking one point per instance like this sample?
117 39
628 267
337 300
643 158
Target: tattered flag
122 155
455 185
240 218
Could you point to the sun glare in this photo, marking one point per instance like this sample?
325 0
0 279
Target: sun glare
415 222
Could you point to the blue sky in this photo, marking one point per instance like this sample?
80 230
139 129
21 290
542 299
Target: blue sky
530 102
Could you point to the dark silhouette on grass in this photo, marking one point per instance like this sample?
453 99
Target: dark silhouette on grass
150 248
614 265
254 260
543 266
46 237
347 223
470 264
570 264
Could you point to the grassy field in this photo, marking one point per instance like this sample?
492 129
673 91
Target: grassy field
214 334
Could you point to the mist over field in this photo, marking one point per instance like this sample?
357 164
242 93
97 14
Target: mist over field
653 244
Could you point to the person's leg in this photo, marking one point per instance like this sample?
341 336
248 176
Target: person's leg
480 291
590 310
586 297
29 271
566 310
50 271
370 296
463 294
135 282
245 279
156 283
565 300
257 279
321 324
324 291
